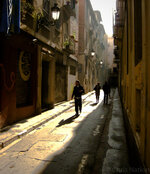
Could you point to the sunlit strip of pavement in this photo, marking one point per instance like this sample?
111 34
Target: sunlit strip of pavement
40 147
11 133
67 126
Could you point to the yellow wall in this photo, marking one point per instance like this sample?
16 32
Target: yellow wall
146 5
136 83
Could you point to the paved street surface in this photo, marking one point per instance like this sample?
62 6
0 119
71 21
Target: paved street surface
68 144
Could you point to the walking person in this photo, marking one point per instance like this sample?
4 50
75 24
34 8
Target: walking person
106 90
109 90
77 93
97 91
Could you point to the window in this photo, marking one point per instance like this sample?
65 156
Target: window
29 1
80 68
73 3
72 70
115 70
138 30
46 8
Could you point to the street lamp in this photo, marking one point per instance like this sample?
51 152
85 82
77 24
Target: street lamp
92 52
55 12
43 20
101 62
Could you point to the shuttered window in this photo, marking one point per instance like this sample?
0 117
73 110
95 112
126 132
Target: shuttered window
138 30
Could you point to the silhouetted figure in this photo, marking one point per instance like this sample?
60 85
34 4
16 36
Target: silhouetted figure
106 89
77 93
97 91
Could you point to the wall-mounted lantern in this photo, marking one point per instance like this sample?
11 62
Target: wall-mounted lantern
101 62
92 52
55 12
43 20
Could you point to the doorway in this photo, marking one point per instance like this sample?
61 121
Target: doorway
44 92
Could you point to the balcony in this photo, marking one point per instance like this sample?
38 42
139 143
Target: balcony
119 23
27 14
116 52
69 45
116 60
68 9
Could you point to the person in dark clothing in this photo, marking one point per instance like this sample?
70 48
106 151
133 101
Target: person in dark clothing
77 93
106 89
97 91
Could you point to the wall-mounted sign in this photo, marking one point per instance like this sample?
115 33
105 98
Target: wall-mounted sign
25 65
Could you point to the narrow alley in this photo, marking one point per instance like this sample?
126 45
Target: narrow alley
57 57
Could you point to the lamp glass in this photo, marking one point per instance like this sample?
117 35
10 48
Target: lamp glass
101 62
55 15
92 53
55 12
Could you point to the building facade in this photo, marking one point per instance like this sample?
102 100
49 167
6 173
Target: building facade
33 62
70 43
91 38
40 63
132 50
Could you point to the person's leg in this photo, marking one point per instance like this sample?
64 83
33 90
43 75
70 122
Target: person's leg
109 95
97 97
106 98
76 106
80 105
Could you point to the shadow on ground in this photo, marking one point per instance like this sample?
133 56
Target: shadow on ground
67 121
83 145
93 104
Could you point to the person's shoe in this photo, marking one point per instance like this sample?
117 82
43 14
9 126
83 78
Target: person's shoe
80 112
75 116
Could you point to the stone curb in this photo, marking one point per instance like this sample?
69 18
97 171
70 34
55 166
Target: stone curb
116 156
38 124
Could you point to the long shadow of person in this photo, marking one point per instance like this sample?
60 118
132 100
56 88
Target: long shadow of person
67 121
